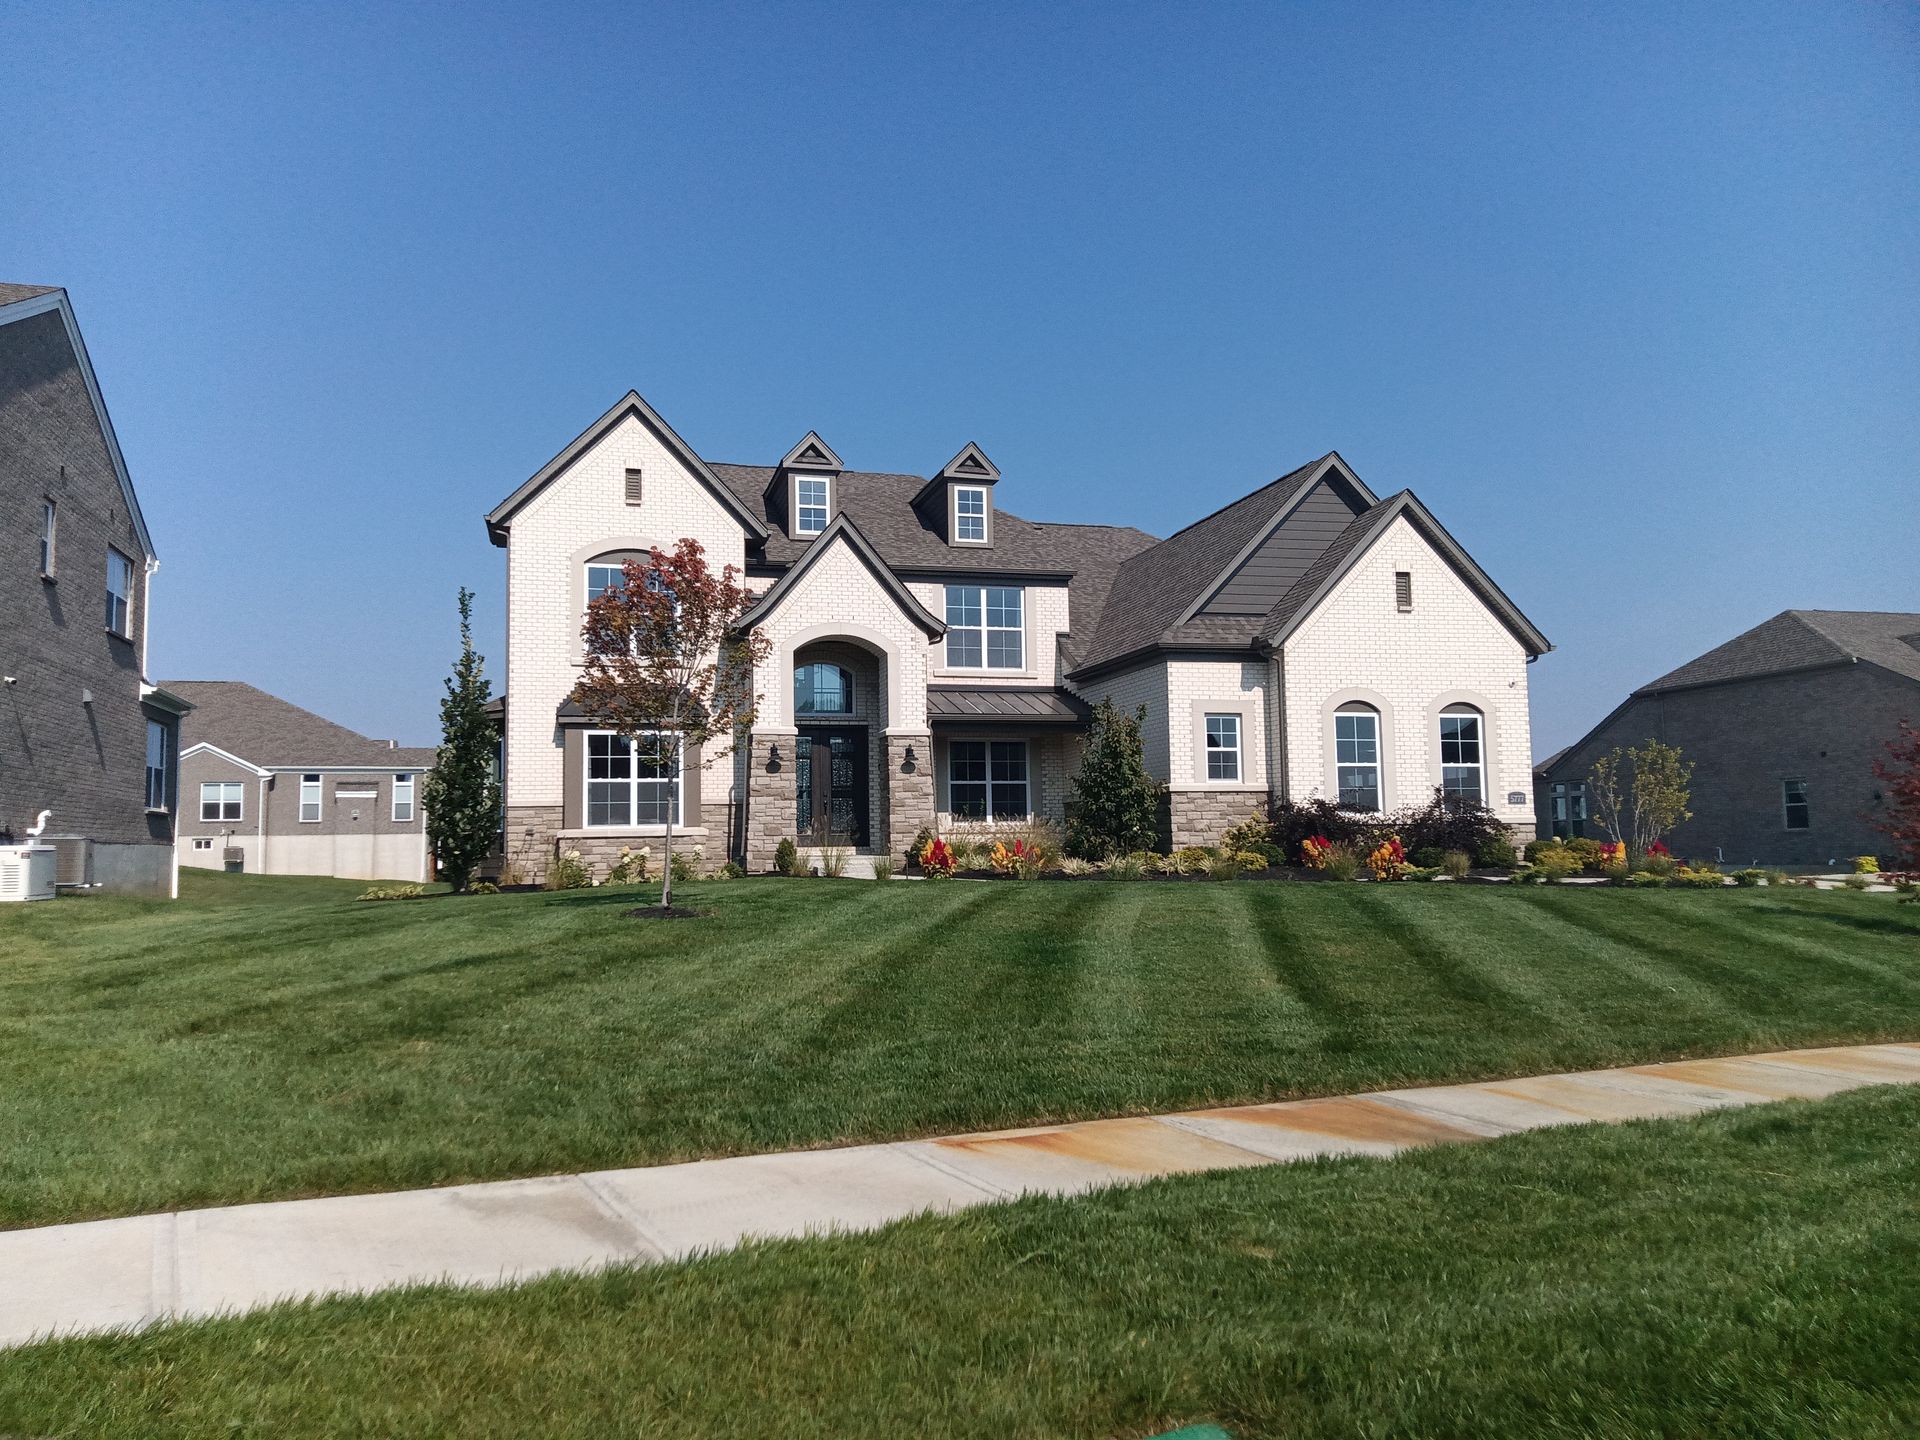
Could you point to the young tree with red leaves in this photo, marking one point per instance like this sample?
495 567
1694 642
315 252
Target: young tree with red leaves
667 667
1902 775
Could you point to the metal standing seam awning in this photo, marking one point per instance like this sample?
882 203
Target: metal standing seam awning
1029 707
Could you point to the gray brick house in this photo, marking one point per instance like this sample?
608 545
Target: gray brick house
82 733
277 790
1782 723
933 655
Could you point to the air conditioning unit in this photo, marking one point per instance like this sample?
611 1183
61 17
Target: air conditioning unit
26 872
74 867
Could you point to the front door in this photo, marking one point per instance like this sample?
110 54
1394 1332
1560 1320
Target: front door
830 785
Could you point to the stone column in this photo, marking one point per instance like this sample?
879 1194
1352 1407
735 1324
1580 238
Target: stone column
909 792
770 815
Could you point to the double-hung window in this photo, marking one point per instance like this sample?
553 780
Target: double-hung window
49 524
119 589
986 627
1356 757
156 765
629 783
1794 803
403 798
810 500
223 800
1223 747
1462 754
310 799
987 779
970 515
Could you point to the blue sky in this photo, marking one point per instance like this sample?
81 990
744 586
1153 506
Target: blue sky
1629 295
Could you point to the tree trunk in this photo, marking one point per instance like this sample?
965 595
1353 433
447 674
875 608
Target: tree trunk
673 804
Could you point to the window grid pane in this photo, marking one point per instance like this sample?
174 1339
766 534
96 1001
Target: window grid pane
812 496
1223 747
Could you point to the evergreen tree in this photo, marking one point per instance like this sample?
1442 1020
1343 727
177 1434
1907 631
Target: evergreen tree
1115 808
461 794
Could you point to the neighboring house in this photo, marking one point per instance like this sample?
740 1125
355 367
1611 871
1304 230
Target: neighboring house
272 789
1782 725
934 656
82 734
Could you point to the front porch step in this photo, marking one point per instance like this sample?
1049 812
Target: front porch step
859 862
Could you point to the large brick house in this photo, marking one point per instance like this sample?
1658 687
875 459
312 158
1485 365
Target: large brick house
269 788
1782 725
934 656
82 733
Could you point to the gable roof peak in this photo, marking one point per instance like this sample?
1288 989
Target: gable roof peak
812 453
971 464
841 530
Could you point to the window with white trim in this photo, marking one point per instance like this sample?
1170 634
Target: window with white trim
203 844
629 784
157 746
608 576
986 627
223 800
970 514
1795 806
310 799
403 798
49 525
119 591
1463 753
810 505
1356 756
988 779
1223 747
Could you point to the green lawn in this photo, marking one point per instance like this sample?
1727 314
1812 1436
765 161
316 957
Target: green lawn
266 1038
1751 1273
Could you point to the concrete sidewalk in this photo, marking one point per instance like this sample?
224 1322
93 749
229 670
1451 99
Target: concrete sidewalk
106 1274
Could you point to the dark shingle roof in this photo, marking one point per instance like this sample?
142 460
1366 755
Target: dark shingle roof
268 731
1801 640
1317 574
13 294
1154 588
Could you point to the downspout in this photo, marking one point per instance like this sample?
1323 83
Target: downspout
260 826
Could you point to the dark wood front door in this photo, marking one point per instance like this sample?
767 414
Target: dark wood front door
830 785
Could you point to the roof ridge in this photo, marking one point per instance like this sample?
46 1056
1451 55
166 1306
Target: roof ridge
1277 480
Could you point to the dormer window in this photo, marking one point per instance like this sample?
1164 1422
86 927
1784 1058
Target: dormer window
969 515
809 504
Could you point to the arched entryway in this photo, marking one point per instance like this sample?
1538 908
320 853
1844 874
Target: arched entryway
839 709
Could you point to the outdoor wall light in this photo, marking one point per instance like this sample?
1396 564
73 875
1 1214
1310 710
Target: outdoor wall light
909 760
773 756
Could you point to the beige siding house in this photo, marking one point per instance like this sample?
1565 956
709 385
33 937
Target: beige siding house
271 789
934 657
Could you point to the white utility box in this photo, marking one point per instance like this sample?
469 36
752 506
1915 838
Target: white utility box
26 872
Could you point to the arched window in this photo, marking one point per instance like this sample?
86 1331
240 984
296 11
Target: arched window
822 689
1356 756
1463 765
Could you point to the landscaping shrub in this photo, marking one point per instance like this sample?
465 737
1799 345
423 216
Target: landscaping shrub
569 872
1075 866
394 892
1446 822
629 869
1455 864
1295 821
833 857
1662 865
919 843
483 887
1856 881
1866 865
734 870
1223 865
883 867
1252 859
1698 877
1779 877
1190 859
1591 854
1748 877
684 867
1556 864
1534 848
1643 878
1128 867
1429 857
1314 851
1496 852
786 858
1115 805
1342 862
1253 833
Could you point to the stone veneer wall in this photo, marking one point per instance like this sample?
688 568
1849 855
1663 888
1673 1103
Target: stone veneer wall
535 836
909 794
1198 817
770 799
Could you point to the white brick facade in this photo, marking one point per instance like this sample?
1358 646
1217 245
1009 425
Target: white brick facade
1448 649
584 513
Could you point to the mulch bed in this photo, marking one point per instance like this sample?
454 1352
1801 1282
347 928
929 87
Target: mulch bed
672 912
